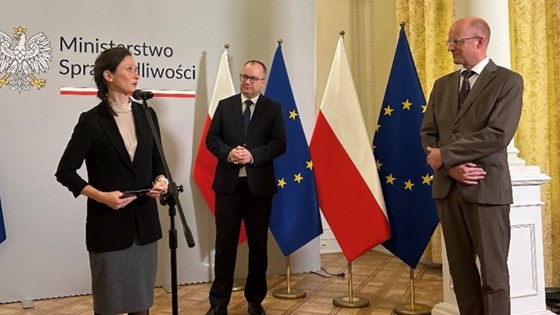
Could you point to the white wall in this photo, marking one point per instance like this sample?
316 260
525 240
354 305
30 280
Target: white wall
44 255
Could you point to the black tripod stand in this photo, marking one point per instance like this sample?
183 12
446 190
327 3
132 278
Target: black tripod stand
171 199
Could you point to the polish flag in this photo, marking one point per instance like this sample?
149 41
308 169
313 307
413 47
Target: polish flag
347 180
205 162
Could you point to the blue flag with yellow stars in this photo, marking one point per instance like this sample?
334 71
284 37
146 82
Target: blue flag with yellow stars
295 218
2 230
401 161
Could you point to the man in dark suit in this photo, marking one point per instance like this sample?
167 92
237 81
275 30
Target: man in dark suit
246 134
471 117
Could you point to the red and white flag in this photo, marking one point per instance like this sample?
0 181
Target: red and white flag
205 162
348 187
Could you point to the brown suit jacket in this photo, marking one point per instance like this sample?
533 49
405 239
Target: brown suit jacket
478 132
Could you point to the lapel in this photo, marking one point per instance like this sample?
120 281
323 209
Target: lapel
481 82
143 131
110 128
257 114
453 96
237 113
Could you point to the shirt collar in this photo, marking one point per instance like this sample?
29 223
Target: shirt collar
477 69
254 99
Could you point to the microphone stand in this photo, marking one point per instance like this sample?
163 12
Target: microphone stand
171 199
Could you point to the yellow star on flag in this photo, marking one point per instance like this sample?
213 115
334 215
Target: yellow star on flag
408 185
424 108
390 179
298 178
293 114
378 164
281 182
388 110
406 105
427 179
309 164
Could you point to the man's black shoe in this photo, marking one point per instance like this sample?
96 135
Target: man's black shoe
217 310
256 309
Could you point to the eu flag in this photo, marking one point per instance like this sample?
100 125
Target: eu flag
2 230
401 162
295 218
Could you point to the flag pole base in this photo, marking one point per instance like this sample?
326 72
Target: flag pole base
350 301
238 285
354 302
289 294
414 309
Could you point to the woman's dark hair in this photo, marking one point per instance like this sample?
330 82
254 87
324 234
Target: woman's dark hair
108 60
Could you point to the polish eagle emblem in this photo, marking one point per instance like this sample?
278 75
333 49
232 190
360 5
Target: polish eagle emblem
22 60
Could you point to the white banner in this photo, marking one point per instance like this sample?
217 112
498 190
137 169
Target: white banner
177 45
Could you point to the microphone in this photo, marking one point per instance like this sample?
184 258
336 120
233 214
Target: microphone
142 95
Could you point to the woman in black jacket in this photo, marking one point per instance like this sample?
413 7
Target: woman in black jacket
115 141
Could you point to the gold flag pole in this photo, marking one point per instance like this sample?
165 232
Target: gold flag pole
289 292
238 284
412 308
350 301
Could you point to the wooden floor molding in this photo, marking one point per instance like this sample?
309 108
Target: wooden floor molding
384 280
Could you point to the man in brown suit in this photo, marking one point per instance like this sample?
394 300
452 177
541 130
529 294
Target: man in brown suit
471 117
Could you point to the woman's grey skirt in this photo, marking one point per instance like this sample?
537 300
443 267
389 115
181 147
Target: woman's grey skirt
123 281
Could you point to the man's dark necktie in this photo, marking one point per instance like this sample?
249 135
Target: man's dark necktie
247 115
466 86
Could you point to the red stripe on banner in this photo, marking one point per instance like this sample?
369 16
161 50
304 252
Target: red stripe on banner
175 95
356 219
157 94
78 93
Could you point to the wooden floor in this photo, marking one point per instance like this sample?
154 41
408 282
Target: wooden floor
381 279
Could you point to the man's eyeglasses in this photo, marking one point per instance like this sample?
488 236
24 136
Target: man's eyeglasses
244 77
459 41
